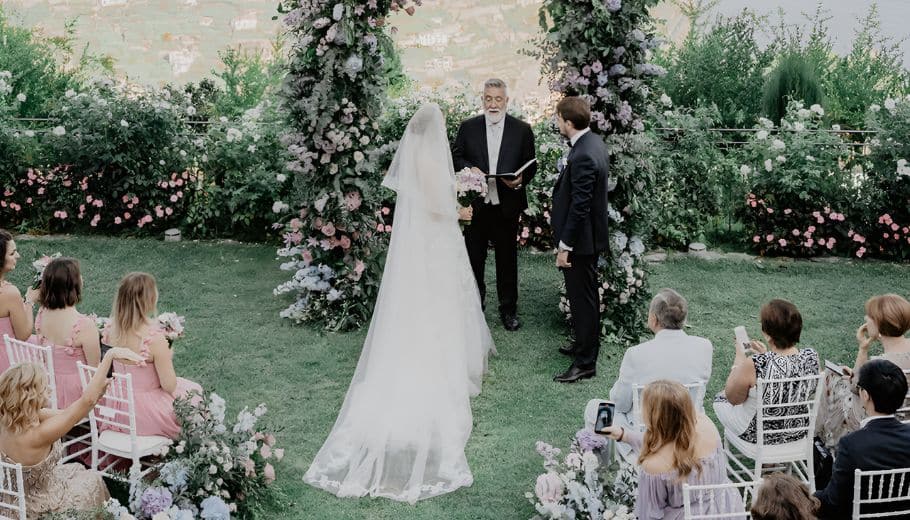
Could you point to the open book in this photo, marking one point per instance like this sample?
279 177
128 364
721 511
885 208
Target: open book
515 173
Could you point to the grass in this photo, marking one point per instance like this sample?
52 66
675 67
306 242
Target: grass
237 346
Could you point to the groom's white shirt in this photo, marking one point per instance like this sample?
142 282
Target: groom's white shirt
494 142
572 141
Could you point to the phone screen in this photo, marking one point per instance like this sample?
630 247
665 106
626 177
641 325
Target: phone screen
604 416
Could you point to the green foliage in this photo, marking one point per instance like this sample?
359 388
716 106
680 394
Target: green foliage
871 72
247 77
44 68
698 181
721 66
793 79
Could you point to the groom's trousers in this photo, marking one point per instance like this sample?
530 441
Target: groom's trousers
490 224
584 303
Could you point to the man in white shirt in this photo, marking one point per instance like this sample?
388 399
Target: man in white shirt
672 354
495 143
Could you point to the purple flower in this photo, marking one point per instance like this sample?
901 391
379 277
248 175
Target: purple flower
613 5
589 441
155 500
617 70
586 71
603 78
597 67
618 52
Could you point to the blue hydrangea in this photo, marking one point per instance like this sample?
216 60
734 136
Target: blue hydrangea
213 508
175 475
613 5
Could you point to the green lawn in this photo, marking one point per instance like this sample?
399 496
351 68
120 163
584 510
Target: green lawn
237 346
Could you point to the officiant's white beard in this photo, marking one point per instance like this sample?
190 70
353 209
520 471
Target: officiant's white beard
495 117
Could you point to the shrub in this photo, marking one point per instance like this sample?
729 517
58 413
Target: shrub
794 78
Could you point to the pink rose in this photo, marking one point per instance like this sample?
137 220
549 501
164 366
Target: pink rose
811 229
756 239
388 228
328 229
821 241
782 242
307 256
345 242
809 242
352 200
769 237
549 488
126 215
894 227
269 473
279 454
796 232
788 211
386 211
270 440
295 224
249 467
117 220
265 451
770 210
359 267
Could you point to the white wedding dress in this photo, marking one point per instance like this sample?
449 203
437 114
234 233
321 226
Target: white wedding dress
402 430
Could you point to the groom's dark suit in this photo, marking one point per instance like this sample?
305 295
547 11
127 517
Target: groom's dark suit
496 223
579 219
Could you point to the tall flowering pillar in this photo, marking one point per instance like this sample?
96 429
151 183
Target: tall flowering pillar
333 96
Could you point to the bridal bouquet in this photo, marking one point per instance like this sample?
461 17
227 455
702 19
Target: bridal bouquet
39 265
585 484
469 185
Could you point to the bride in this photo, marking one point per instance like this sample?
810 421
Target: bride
406 418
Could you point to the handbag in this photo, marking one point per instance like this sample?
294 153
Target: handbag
822 462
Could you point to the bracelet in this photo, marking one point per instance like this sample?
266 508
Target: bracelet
622 434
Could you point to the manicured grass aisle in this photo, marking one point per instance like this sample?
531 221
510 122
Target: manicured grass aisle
237 346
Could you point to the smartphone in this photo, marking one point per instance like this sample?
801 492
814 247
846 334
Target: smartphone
834 367
742 337
605 412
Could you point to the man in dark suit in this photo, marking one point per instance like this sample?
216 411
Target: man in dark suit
882 442
579 219
497 143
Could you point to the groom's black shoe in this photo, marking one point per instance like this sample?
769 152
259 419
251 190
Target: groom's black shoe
510 322
574 374
568 350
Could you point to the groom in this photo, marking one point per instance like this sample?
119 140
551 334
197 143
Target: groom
579 219
496 143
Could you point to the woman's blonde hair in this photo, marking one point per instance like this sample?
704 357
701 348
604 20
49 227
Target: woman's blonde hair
135 302
668 412
891 314
23 392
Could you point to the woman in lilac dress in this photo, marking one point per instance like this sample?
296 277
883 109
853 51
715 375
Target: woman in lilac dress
15 316
679 446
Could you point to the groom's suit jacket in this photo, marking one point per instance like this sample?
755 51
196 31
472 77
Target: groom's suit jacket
579 214
517 148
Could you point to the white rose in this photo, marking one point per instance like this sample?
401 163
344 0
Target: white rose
251 148
124 124
799 127
745 170
777 144
70 93
20 97
29 133
213 469
836 128
768 165
874 108
890 104
281 177
358 156
803 113
817 109
762 135
59 130
190 110
781 159
665 99
279 206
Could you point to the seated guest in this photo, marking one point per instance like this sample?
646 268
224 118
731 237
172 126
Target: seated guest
15 315
672 354
155 383
30 435
737 405
58 323
679 446
881 442
887 320
783 497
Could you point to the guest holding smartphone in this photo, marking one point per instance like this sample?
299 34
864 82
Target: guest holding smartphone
887 320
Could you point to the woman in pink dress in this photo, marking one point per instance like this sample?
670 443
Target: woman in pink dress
15 315
72 334
155 384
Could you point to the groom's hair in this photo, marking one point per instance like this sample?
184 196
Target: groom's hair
576 110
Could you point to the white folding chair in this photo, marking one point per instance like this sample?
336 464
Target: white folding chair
12 492
717 502
24 352
117 409
785 407
696 392
43 355
903 413
888 491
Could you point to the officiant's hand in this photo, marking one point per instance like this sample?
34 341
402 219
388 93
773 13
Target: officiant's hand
562 259
514 183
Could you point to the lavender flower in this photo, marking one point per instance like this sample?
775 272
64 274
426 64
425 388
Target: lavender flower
613 5
589 441
155 500
617 70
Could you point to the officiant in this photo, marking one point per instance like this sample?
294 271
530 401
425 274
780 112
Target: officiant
497 143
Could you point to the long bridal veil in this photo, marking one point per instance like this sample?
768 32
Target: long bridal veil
406 418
